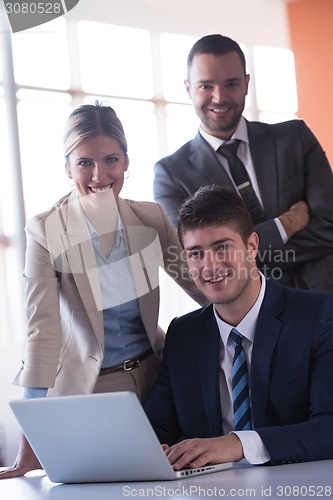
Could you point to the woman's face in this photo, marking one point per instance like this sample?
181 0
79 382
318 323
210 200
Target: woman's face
97 166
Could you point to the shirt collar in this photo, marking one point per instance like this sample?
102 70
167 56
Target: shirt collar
119 230
247 326
240 133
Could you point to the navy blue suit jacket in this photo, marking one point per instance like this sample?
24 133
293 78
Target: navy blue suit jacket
290 165
291 376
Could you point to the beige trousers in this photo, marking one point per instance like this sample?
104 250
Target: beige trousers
139 380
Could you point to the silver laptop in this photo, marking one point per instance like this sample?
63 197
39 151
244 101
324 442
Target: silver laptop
96 438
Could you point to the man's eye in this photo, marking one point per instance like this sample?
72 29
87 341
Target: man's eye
194 255
232 85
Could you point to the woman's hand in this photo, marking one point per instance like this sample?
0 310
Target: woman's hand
25 461
198 452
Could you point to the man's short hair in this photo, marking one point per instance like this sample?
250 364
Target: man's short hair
217 45
215 206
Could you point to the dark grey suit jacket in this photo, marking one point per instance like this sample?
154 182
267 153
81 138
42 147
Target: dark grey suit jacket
290 165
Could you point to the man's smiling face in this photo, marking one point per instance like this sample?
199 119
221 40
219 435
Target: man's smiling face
217 87
222 265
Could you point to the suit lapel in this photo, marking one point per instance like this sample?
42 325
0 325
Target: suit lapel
266 336
208 343
206 166
262 147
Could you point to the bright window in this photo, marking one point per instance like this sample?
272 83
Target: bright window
174 51
41 56
44 178
115 60
275 82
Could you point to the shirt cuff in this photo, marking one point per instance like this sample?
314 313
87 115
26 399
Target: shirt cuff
254 449
34 392
281 230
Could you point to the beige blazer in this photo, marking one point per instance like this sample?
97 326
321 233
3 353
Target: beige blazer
65 331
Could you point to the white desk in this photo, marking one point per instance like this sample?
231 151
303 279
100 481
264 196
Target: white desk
307 480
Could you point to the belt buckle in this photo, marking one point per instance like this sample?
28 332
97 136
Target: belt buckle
127 367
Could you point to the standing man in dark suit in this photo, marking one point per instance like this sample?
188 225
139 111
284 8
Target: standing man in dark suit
286 168
274 402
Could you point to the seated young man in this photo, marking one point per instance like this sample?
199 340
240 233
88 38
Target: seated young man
249 376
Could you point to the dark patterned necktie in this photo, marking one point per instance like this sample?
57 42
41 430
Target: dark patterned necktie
240 385
242 181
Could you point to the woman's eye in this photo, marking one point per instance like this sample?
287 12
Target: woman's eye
84 163
111 159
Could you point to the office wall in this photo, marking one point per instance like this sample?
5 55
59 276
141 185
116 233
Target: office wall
311 36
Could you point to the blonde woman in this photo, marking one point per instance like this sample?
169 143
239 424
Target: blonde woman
91 277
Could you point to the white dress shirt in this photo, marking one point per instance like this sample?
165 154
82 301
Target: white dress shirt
254 449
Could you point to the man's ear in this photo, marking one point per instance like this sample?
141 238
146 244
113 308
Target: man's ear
247 81
253 245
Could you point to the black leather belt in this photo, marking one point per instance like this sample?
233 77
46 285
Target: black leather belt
127 365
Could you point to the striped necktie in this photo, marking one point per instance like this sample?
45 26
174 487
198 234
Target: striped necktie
240 386
242 180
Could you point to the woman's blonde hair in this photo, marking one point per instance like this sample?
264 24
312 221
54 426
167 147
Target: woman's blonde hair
90 120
